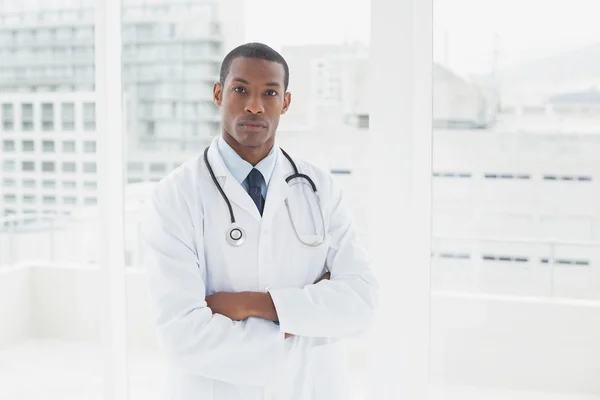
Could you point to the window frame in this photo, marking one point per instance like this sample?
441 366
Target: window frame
400 188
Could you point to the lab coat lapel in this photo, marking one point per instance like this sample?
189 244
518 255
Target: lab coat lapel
233 190
279 190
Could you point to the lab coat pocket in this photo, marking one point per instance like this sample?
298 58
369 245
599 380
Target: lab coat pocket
330 372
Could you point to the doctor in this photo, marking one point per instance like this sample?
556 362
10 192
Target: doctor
255 281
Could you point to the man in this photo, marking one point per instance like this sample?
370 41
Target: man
261 317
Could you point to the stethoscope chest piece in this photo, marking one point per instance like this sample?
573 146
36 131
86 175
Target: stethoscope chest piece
235 235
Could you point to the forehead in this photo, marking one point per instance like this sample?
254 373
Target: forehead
256 70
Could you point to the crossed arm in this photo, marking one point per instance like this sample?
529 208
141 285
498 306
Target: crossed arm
229 336
242 305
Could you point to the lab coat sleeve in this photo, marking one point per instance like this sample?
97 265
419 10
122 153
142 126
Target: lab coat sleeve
343 306
240 352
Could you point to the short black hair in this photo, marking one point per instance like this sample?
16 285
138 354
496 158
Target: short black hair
254 50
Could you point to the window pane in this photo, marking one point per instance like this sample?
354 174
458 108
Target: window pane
8 165
28 166
48 166
68 116
90 185
7 117
68 146
174 119
515 193
8 183
89 168
49 315
47 116
28 146
48 146
46 184
89 147
8 145
89 116
68 167
27 117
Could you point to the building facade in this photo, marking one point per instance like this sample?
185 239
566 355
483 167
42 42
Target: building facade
171 57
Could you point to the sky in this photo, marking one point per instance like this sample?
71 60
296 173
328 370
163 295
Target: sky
522 29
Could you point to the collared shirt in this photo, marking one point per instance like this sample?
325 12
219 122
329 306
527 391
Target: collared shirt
240 168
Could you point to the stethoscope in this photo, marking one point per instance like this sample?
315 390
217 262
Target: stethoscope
236 236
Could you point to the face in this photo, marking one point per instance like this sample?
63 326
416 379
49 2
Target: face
252 99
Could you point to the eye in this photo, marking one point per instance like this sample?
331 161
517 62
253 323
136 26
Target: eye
271 92
239 89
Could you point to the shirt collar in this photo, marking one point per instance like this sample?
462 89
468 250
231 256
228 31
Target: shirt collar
240 168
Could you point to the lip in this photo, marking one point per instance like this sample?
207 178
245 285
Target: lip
252 125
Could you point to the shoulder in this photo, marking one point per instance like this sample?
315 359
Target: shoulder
176 189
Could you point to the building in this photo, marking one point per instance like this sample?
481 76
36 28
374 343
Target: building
171 57
48 152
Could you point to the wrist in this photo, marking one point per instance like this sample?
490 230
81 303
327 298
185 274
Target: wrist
250 304
260 305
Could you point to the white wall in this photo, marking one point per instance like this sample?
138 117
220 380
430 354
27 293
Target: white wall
15 304
64 302
516 344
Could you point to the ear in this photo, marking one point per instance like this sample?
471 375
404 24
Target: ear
287 100
217 94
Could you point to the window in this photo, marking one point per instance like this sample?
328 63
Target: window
48 184
8 166
69 184
135 167
10 198
47 116
8 182
68 146
48 166
89 146
8 145
90 201
7 117
68 116
28 146
89 168
158 168
70 200
49 200
28 199
48 146
90 185
29 183
89 116
68 167
28 166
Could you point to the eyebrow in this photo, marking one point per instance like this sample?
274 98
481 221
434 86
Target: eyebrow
241 80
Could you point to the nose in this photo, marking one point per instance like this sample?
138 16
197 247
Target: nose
254 105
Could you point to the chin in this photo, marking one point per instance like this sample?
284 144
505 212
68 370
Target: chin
253 139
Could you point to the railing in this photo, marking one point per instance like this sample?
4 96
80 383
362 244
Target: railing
526 254
471 263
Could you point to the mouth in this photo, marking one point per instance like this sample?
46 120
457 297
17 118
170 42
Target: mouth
253 125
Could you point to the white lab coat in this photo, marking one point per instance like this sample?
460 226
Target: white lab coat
212 357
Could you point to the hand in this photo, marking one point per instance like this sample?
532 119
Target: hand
327 275
231 305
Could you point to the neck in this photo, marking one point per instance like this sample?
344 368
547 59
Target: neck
252 155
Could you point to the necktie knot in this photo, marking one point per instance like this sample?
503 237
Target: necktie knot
255 179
